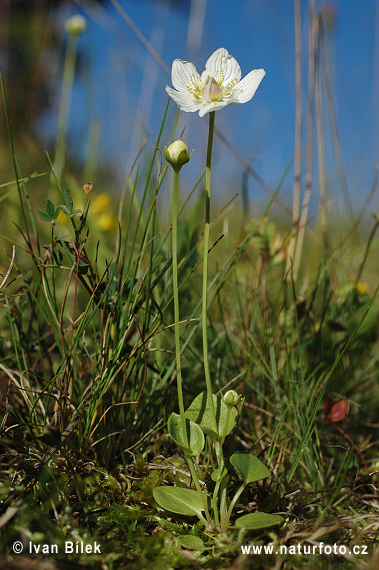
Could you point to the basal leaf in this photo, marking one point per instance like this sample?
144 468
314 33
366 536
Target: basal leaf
190 541
249 467
180 500
256 521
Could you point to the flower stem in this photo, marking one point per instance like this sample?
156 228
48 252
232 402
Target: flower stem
176 306
179 381
205 270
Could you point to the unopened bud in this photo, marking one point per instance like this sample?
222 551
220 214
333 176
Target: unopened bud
88 187
177 154
231 398
76 25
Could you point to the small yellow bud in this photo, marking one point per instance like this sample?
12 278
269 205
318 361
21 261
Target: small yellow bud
76 25
88 187
231 398
177 154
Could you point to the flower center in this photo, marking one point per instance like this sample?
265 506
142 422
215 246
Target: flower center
209 88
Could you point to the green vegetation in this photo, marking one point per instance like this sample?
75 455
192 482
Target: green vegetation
89 349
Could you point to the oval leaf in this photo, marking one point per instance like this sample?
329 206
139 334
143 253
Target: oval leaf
68 200
256 521
44 217
50 209
190 541
195 435
249 467
180 500
199 413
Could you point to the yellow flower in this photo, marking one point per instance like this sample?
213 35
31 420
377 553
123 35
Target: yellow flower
362 288
106 222
100 203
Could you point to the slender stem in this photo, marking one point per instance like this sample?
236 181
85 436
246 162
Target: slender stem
348 438
199 490
63 243
233 502
223 485
205 269
179 381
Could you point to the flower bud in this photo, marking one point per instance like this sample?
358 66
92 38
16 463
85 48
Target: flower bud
177 154
76 25
231 398
88 187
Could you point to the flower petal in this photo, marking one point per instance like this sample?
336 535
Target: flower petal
184 75
185 101
225 67
213 106
245 89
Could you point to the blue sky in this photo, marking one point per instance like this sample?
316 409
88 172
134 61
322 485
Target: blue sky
123 90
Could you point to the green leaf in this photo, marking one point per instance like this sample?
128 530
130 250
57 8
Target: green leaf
249 467
199 413
219 474
44 217
57 210
68 200
190 541
50 209
64 209
180 500
195 436
256 521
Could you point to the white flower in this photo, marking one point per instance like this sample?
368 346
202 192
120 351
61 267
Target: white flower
219 85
